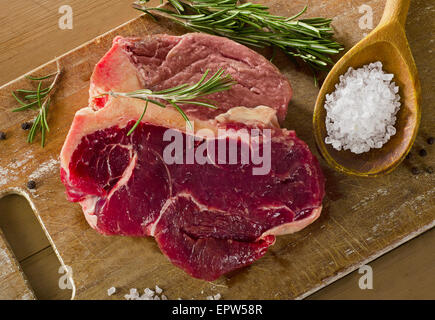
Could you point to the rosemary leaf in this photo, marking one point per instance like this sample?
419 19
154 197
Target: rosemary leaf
38 94
139 120
18 99
25 106
182 94
252 24
41 113
41 99
44 110
41 78
198 103
35 125
157 103
182 114
30 91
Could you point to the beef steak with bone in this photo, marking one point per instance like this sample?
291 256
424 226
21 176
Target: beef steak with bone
209 218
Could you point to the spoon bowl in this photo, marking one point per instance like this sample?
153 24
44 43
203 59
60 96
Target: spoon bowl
388 44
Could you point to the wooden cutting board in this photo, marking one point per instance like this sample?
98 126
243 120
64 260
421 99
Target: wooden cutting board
362 218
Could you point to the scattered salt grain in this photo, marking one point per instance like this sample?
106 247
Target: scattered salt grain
361 112
133 295
158 290
149 292
215 297
111 291
147 295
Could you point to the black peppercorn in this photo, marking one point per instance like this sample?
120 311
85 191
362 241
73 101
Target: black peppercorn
422 153
31 184
430 140
408 156
429 170
26 125
2 135
415 170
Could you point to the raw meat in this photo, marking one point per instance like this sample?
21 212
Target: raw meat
208 219
161 61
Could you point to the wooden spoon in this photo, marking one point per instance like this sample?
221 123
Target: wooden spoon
386 43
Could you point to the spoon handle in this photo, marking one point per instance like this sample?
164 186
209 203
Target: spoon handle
395 10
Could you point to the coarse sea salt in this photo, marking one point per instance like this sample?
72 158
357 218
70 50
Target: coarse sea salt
147 295
361 112
111 291
215 297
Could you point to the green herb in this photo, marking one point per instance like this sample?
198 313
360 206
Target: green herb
38 99
252 24
182 94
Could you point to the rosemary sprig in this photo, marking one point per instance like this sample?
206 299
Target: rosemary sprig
252 24
182 94
40 99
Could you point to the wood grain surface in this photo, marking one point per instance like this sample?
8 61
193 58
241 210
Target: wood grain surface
13 282
362 218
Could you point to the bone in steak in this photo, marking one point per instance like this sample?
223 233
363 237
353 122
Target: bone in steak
162 61
208 219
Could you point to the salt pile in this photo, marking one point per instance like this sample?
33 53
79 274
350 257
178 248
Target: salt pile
361 112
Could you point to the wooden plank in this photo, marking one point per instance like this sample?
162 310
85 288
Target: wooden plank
362 218
31 248
13 284
404 273
19 226
32 26
42 271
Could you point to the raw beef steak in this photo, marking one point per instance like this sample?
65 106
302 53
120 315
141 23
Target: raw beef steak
161 61
209 218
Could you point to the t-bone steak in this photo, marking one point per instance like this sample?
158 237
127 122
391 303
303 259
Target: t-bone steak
207 218
161 61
